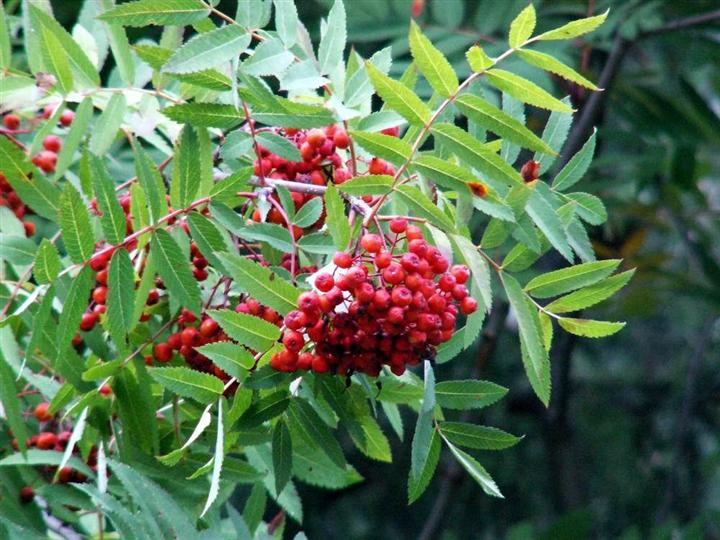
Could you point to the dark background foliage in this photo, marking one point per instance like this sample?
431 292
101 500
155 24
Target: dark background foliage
629 446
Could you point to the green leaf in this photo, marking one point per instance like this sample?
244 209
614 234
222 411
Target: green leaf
468 394
313 431
431 63
399 97
547 220
286 21
174 269
229 186
121 296
569 279
253 332
107 125
261 283
34 457
500 123
373 184
278 145
589 207
12 407
555 132
478 267
35 190
82 68
208 49
235 360
55 58
477 58
575 28
537 364
281 455
152 183
422 439
207 236
522 27
265 409
276 235
293 115
548 63
188 383
309 213
132 389
393 149
16 249
480 437
47 262
336 220
269 58
186 171
75 305
120 48
318 243
205 115
74 222
476 154
589 296
332 44
218 459
424 207
590 328
478 473
157 12
525 91
78 130
443 172
418 483
112 217
576 168
5 45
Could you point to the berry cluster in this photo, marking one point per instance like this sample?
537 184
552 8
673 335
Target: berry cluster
377 307
9 198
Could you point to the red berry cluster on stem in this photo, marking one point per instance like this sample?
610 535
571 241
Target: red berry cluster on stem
380 306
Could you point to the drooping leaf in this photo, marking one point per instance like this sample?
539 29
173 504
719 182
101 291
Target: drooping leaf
157 12
555 132
218 459
74 222
478 473
269 58
431 63
309 213
75 304
78 130
480 437
571 278
152 184
589 296
188 383
590 328
11 402
233 359
308 425
589 207
525 91
281 455
286 21
208 49
16 249
478 59
278 145
186 171
545 217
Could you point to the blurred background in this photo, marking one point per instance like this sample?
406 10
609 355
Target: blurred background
629 446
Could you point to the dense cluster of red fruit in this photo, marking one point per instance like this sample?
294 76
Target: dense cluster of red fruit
53 438
378 307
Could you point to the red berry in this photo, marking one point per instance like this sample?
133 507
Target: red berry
27 494
175 341
46 440
447 282
461 273
320 365
208 328
341 139
67 117
41 412
190 337
11 121
459 292
530 171
305 360
308 302
468 305
52 143
377 166
371 243
88 321
413 232
342 259
200 274
295 320
29 227
383 259
45 161
100 261
99 295
324 282
398 225
105 390
401 296
315 137
163 352
394 274
293 340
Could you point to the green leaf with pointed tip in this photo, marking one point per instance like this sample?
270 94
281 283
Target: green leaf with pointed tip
107 125
12 406
278 145
475 153
313 431
5 45
393 149
576 168
332 44
186 170
336 221
281 455
74 221
479 60
589 296
399 97
555 132
248 330
478 473
208 237
285 113
188 383
574 28
522 27
174 269
480 437
445 173
569 279
590 328
418 483
208 49
424 207
547 220
16 249
233 359
152 183
548 63
47 262
525 91
278 236
266 408
478 267
78 130
373 184
589 207
535 359
121 296
157 12
269 58
500 123
55 58
112 217
74 306
431 63
309 213
286 21
205 115
468 394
